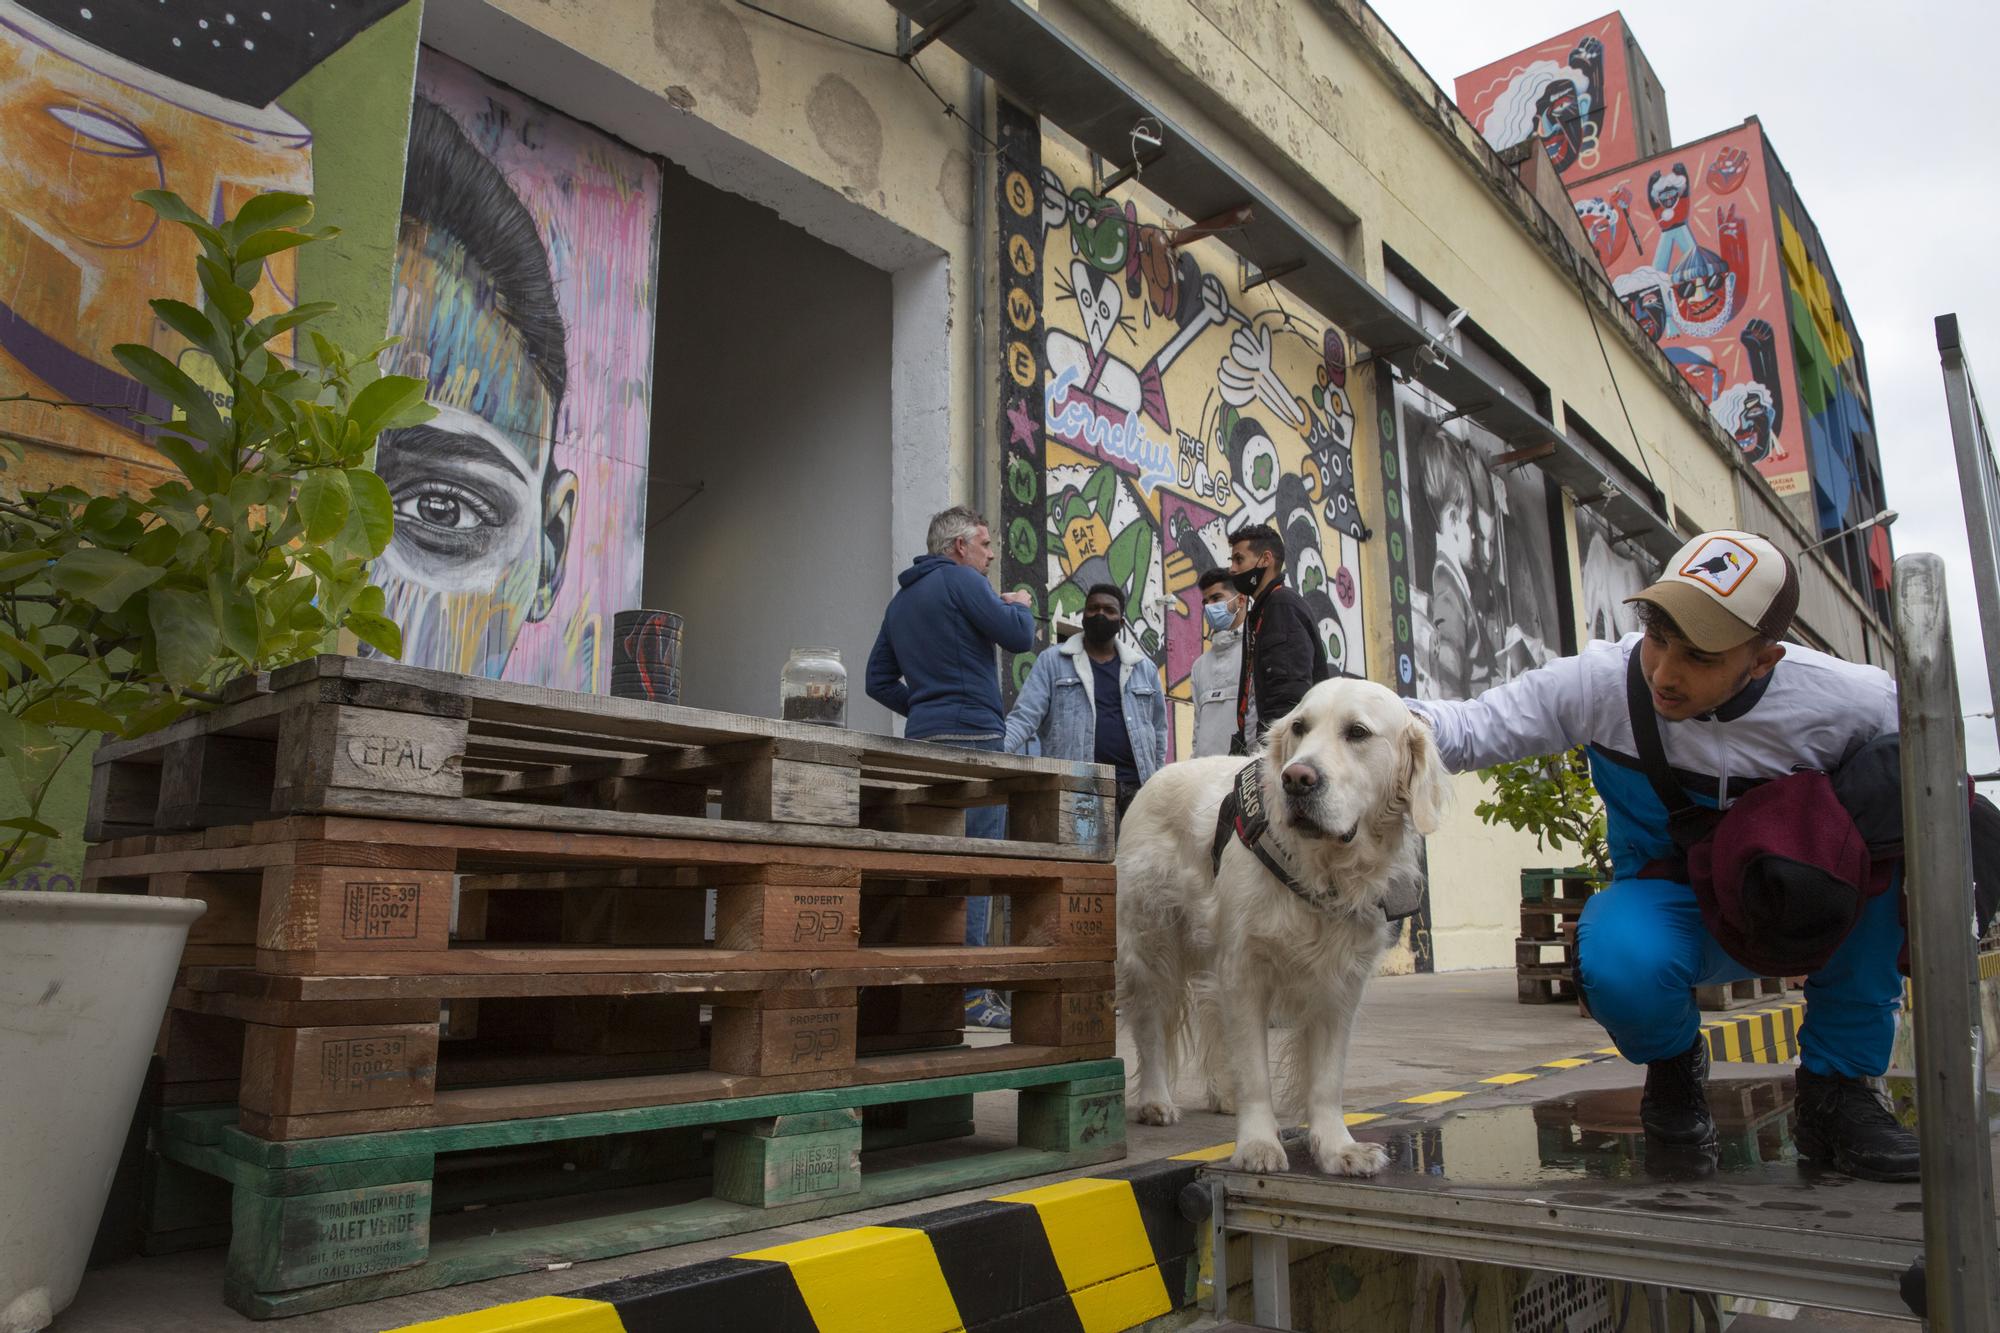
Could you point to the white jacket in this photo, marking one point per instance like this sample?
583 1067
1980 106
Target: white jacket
1213 681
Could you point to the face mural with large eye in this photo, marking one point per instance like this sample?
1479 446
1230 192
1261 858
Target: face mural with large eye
483 517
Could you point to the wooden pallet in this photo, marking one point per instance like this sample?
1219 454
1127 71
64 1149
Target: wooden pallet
342 735
356 974
337 1221
1548 919
1738 994
1545 983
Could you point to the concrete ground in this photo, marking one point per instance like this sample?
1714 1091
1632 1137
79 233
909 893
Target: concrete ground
1416 1034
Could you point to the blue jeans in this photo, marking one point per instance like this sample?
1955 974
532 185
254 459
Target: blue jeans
1642 948
982 821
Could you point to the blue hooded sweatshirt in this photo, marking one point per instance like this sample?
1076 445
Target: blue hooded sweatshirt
933 661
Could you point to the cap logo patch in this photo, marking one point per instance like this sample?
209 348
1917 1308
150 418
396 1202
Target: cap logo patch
1720 565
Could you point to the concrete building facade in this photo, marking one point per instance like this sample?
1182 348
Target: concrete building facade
1126 275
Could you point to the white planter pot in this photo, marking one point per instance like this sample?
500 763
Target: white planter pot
84 980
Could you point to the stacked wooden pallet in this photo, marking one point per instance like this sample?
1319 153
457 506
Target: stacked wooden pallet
1545 952
439 907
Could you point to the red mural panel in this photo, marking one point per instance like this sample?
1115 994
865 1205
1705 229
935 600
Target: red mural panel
1575 89
1691 243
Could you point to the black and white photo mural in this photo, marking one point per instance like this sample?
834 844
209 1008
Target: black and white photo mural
1482 566
1612 572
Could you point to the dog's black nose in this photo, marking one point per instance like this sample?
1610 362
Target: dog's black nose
1300 778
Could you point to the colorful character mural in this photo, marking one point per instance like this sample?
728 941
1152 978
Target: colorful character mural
1177 406
1575 90
1611 571
1696 263
524 282
81 131
1482 569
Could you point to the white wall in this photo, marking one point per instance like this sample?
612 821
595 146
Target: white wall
772 392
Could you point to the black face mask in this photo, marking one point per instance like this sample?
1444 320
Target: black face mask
1100 630
1248 581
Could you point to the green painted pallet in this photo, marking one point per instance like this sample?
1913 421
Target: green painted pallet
319 1223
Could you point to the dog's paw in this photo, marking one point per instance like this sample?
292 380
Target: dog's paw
1156 1113
1350 1158
1260 1155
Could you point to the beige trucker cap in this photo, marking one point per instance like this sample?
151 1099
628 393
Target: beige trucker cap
1726 588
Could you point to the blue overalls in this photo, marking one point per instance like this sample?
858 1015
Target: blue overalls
1642 946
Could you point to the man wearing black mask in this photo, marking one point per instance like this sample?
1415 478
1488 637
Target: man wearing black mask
1095 698
1282 653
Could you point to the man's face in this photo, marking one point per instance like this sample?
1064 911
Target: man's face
481 524
1221 594
1104 604
1243 556
1687 682
975 549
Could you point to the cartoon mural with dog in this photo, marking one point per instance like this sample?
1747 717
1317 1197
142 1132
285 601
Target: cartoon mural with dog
1692 251
1177 406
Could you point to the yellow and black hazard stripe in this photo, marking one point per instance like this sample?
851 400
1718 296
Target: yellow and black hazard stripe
1763 1036
1090 1255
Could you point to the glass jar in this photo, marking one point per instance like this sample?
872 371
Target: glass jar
814 688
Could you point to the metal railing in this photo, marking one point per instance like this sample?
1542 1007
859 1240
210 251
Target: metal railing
1961 1282
1979 484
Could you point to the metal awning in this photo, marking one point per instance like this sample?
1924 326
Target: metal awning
1040 68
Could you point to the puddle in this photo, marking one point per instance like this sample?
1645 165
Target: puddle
1595 1136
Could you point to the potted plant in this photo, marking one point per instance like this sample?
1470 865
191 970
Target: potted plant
120 613
1553 798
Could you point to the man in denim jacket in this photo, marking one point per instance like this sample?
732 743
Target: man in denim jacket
1097 699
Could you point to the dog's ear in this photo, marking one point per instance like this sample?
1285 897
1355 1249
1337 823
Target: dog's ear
1422 787
1278 745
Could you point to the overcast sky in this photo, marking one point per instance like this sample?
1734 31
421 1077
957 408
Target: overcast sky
1882 120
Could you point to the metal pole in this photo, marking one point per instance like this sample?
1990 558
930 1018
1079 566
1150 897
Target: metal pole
1218 1249
1959 1236
1979 488
1271 1280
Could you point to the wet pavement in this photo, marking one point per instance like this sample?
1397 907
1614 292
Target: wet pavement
1585 1148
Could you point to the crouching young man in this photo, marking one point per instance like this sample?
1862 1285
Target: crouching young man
1735 708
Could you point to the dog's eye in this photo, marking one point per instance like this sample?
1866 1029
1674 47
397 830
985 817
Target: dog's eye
1298 728
1357 732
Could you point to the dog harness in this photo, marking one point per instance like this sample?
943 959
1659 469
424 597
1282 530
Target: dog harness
1243 817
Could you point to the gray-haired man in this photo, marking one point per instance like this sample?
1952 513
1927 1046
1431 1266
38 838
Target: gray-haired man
933 663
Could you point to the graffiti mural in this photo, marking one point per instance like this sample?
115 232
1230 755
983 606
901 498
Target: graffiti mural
1482 571
1177 406
82 131
1691 246
1576 90
524 296
1611 571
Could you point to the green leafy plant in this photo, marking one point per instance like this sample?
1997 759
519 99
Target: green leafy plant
1553 798
119 613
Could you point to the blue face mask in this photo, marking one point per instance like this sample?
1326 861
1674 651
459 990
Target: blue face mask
1220 615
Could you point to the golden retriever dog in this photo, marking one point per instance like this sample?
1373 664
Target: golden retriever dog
1208 955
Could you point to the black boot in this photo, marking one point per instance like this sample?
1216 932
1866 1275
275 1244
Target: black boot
1848 1126
1674 1109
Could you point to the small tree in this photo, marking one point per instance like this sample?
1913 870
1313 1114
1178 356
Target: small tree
1553 798
120 613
